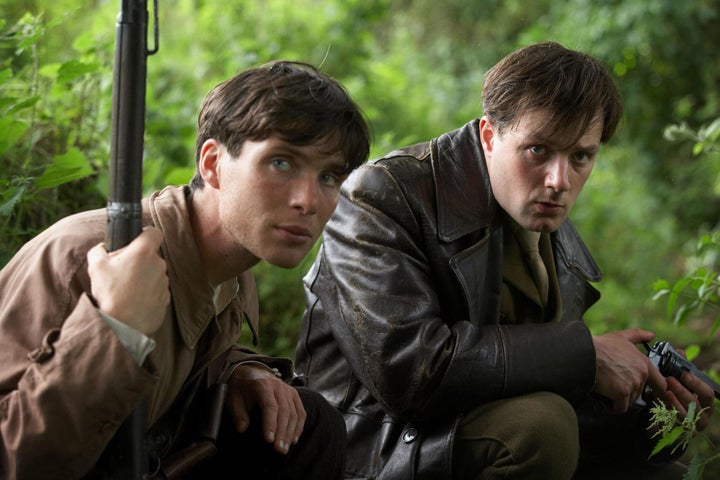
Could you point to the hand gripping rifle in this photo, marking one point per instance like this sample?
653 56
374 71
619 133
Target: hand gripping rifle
127 453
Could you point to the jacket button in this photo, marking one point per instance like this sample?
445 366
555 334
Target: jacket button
409 435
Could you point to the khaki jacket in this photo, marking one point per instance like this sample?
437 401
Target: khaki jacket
66 381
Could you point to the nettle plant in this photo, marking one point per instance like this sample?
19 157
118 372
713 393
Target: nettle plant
52 129
695 295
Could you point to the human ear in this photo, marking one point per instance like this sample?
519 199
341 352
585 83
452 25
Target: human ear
487 133
209 163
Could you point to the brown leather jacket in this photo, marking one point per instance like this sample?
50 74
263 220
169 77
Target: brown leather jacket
66 382
403 330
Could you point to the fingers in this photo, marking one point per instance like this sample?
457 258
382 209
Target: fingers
637 335
240 412
300 424
695 390
131 284
282 413
680 395
283 419
622 370
656 380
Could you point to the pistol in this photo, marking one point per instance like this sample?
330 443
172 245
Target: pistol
672 364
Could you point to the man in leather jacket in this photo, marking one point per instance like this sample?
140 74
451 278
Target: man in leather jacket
86 335
426 325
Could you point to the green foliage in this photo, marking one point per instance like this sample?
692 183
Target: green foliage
699 288
695 296
416 68
283 291
675 433
48 132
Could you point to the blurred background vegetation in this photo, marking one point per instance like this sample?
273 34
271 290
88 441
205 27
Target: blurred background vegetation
416 68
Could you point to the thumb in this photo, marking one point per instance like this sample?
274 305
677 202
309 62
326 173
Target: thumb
240 413
637 335
150 238
96 255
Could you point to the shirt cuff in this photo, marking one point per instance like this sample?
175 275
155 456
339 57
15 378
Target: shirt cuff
137 344
227 372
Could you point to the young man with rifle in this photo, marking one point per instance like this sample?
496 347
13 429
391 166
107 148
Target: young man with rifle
86 335
430 326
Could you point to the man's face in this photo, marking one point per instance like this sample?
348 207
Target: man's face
275 198
537 180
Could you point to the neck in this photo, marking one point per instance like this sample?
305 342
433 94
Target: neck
222 258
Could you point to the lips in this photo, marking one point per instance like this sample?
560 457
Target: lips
295 233
295 230
548 208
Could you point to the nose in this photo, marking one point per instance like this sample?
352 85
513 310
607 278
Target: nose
304 195
557 176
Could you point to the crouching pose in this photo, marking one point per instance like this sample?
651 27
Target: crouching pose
445 309
87 335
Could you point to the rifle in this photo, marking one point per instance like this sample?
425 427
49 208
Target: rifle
127 452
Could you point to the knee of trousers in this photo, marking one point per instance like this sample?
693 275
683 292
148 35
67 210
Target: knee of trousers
538 430
321 414
550 422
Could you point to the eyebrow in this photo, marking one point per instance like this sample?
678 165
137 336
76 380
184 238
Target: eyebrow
590 148
335 161
533 138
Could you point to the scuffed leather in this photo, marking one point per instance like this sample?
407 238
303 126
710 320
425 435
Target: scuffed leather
402 331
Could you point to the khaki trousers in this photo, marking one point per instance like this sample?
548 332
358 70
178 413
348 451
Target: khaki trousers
529 437
535 437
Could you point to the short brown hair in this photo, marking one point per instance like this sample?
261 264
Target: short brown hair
292 100
573 85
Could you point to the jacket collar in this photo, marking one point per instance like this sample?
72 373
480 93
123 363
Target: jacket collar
464 197
192 295
465 202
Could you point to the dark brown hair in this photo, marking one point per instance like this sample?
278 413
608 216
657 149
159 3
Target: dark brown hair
572 85
292 100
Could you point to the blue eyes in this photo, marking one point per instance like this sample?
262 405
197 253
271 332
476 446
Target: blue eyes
579 157
538 150
283 165
329 180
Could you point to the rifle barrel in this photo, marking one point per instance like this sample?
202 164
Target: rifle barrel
127 452
128 125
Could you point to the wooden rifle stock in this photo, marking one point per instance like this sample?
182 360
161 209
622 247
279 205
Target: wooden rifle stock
126 456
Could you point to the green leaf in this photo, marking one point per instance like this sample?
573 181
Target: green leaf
710 132
668 439
16 194
692 351
5 75
179 176
11 131
26 103
677 288
696 467
692 408
715 326
73 165
74 69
